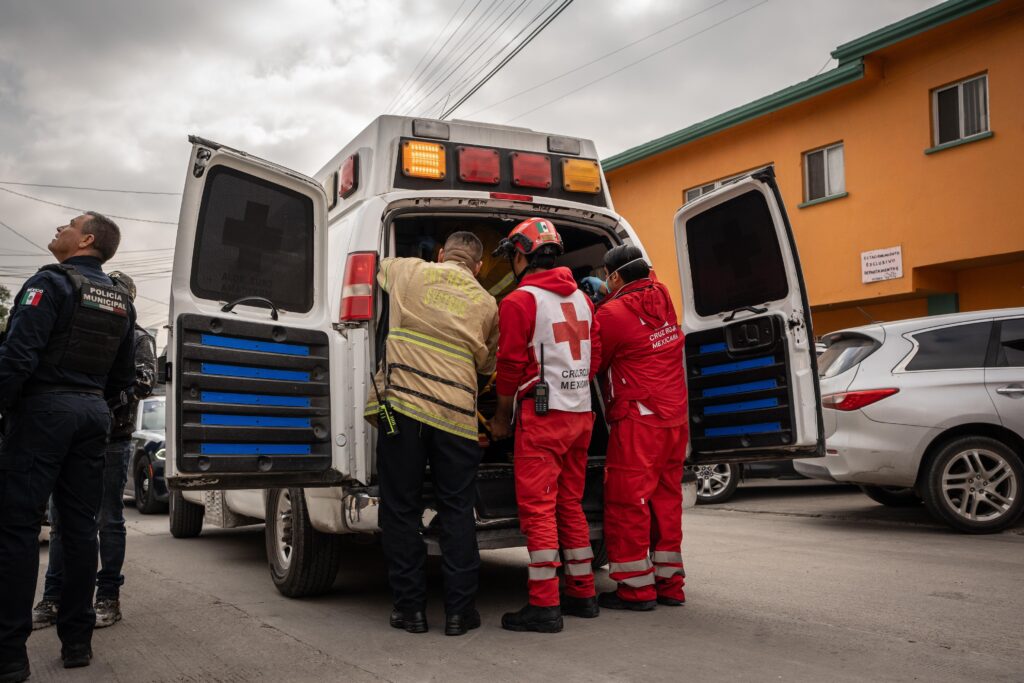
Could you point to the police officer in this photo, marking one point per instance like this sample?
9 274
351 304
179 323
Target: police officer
109 580
69 346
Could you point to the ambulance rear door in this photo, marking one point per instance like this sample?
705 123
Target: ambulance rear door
249 402
751 370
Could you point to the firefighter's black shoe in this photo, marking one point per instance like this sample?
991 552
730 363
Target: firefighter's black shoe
611 600
585 608
458 624
413 621
671 602
14 672
533 618
76 655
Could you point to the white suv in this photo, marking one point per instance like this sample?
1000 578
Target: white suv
929 409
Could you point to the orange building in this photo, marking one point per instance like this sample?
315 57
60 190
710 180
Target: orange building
901 168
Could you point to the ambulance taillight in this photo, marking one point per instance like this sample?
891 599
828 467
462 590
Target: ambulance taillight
357 289
423 160
479 165
531 170
348 176
581 175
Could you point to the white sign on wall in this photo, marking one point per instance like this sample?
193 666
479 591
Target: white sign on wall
881 264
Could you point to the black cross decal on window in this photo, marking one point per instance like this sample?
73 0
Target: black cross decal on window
252 236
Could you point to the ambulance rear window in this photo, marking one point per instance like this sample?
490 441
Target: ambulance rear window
254 238
735 259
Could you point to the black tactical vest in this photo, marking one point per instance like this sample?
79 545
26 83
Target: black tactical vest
98 325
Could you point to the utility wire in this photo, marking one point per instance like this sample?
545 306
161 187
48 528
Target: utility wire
24 238
90 189
632 64
412 88
595 61
75 208
507 59
409 78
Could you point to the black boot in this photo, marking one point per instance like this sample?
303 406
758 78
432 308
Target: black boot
76 655
458 624
585 608
413 621
611 600
14 672
533 618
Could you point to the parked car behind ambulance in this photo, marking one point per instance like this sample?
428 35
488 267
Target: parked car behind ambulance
276 323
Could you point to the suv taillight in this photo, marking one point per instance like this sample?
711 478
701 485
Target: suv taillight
854 400
357 289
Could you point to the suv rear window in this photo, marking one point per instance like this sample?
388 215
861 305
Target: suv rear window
253 238
845 353
960 346
734 256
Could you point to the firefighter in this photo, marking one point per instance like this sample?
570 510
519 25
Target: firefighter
547 350
69 346
442 333
645 391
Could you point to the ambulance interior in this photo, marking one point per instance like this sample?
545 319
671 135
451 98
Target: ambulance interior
422 236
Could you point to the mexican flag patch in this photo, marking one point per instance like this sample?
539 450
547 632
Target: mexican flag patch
32 297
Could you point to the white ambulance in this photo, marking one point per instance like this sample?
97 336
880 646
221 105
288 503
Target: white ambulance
276 323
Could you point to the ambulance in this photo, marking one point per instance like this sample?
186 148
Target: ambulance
276 324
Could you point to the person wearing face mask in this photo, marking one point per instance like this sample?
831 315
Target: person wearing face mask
645 393
442 334
69 348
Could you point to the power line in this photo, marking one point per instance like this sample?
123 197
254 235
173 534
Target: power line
75 208
595 61
90 189
507 59
632 64
24 238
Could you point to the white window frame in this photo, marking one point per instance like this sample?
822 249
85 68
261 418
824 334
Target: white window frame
959 85
704 188
807 176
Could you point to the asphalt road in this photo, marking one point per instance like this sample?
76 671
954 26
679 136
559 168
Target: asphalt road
805 583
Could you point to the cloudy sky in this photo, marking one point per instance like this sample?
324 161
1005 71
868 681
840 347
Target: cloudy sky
102 93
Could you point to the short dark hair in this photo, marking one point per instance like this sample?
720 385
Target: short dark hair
628 261
468 242
106 234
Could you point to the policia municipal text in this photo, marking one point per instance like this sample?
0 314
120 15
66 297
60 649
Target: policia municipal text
68 348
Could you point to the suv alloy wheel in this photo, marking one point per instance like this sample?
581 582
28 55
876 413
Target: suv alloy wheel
716 483
975 484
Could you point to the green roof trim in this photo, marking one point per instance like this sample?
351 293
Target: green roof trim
783 98
851 68
907 28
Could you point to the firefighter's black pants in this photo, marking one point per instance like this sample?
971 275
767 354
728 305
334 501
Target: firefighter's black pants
53 443
401 466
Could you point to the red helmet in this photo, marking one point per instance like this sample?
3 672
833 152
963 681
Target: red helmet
529 236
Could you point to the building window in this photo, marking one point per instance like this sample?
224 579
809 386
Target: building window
696 192
823 173
960 110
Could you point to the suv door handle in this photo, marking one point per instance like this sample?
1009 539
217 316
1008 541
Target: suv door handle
1012 390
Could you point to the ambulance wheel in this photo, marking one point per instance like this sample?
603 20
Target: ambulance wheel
303 561
600 549
186 518
716 483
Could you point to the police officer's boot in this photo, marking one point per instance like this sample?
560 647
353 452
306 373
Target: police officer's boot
533 618
76 655
44 614
108 612
14 672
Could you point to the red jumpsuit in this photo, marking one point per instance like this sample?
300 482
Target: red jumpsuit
645 392
551 450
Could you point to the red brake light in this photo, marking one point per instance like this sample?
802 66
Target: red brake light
854 400
357 288
479 165
531 170
348 176
512 197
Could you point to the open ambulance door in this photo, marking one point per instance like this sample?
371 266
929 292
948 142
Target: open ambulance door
249 404
751 369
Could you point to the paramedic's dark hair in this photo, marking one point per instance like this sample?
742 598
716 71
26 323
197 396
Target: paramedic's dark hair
628 261
468 242
106 233
545 258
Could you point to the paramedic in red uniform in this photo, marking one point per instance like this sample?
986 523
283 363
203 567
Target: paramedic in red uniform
548 318
641 372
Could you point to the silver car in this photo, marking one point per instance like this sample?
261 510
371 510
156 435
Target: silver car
929 409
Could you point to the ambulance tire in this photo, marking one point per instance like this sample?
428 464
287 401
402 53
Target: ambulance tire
600 549
303 561
186 519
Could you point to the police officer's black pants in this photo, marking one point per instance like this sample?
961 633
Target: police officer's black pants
401 467
53 443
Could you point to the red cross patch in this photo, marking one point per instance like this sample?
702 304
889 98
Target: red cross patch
572 330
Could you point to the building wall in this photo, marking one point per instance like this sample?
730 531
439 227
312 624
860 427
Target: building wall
947 210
